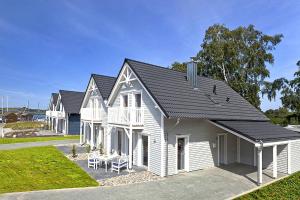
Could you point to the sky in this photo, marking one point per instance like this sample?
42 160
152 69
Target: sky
47 45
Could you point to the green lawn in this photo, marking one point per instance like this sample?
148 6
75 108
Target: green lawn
24 125
36 139
287 188
39 168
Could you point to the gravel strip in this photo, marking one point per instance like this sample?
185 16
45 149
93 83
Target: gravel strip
80 156
135 177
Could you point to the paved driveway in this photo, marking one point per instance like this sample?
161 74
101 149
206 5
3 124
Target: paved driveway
212 183
36 144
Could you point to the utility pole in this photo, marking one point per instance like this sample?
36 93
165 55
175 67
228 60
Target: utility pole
2 105
6 103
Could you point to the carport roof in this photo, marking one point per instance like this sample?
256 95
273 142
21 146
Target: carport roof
259 130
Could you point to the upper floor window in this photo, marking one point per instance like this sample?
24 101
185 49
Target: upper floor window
125 101
138 100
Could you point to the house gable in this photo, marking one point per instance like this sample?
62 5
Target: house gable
129 78
91 91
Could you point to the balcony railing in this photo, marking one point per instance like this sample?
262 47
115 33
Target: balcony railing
126 116
48 113
58 114
91 114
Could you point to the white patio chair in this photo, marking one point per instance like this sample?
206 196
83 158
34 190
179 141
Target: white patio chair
93 160
119 163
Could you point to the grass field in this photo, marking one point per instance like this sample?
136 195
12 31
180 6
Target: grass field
37 139
24 125
287 188
39 168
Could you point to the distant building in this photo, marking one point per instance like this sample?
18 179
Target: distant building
26 117
10 117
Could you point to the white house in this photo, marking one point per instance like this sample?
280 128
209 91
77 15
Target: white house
94 111
50 119
169 122
66 112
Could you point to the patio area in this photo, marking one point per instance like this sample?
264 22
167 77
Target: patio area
139 173
249 173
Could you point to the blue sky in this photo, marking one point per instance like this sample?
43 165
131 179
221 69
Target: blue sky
47 45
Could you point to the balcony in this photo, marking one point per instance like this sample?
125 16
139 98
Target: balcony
48 113
91 114
58 114
126 116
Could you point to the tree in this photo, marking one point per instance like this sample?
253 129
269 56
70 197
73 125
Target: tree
238 57
278 116
179 66
290 91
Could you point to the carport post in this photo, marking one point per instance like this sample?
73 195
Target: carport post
275 161
259 165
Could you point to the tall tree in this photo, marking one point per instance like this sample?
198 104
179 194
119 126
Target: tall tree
290 91
238 57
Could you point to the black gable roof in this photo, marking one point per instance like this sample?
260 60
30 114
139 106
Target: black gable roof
256 131
178 99
104 84
71 100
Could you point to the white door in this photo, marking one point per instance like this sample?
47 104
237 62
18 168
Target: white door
182 153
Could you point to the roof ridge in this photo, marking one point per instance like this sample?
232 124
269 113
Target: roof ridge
70 91
166 68
93 74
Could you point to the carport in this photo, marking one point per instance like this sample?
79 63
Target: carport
258 143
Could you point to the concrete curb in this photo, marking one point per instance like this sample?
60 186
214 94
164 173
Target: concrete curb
50 190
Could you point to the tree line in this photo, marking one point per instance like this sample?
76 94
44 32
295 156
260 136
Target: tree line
240 58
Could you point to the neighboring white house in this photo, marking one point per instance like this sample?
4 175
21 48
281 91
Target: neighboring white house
66 112
94 111
51 121
170 122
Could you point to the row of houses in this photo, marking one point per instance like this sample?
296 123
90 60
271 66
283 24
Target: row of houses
172 122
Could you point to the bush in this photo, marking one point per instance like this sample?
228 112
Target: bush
88 148
101 149
74 155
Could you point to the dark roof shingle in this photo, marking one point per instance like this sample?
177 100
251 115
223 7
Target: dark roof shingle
177 98
259 130
71 100
104 84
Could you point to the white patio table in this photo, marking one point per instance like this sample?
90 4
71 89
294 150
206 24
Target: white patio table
106 159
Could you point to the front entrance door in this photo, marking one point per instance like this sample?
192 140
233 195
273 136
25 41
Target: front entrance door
145 150
181 153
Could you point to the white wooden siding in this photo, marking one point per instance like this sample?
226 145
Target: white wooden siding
282 159
247 152
135 147
267 158
202 136
295 156
231 148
